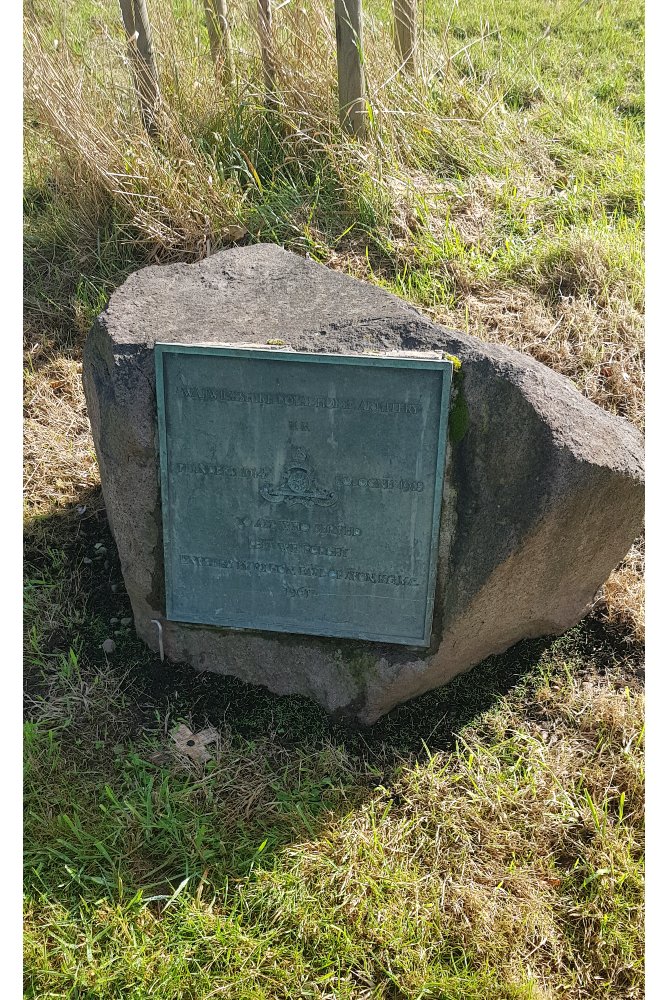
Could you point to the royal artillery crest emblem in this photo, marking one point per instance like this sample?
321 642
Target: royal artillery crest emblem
298 484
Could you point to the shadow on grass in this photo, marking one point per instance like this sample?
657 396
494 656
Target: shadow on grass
108 804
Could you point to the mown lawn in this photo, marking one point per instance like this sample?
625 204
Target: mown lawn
484 841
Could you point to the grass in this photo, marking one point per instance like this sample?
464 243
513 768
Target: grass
485 840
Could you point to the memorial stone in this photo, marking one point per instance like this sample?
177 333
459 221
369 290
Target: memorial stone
298 499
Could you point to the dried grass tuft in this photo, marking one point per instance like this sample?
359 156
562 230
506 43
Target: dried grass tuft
59 459
600 348
622 598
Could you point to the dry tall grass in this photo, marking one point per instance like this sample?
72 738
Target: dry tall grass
176 194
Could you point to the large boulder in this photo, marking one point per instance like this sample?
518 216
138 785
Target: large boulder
543 492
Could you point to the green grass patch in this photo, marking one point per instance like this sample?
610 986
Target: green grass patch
483 840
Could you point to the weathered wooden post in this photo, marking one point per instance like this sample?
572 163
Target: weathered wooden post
405 33
267 47
142 61
349 56
220 38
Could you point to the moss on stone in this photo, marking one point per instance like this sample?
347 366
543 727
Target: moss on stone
357 663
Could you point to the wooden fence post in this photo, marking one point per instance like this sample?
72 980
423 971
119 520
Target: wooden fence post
220 38
349 56
142 61
405 33
266 44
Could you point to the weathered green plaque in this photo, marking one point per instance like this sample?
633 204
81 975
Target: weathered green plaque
302 492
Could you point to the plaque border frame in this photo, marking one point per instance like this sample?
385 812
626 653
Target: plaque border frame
442 365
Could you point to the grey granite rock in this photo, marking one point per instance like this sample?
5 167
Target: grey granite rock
543 495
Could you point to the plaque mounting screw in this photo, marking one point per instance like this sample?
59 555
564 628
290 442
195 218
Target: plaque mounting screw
158 625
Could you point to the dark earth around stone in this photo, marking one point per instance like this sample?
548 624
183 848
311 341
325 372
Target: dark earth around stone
543 493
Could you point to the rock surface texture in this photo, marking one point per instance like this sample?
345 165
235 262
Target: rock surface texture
543 496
